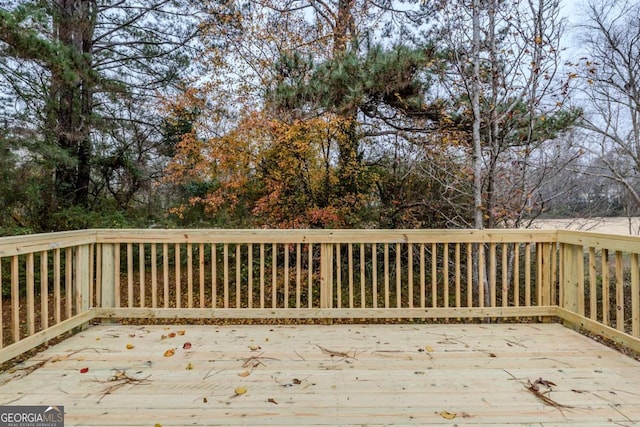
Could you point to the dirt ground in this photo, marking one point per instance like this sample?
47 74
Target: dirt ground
615 225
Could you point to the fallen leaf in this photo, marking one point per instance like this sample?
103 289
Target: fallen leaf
98 339
181 332
158 425
240 391
492 355
296 381
244 374
130 346
80 359
204 400
254 347
189 367
448 415
163 337
272 400
169 352
186 346
429 348
84 370
172 334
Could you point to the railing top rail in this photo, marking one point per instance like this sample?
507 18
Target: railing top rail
617 242
321 236
18 245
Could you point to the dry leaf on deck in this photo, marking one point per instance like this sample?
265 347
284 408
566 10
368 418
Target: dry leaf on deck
181 332
240 391
84 370
169 352
244 374
254 347
189 367
448 415
428 348
186 346
130 346
172 335
272 400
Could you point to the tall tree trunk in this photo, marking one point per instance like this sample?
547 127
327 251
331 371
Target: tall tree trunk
73 27
479 267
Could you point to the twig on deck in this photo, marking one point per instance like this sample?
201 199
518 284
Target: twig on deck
121 379
332 353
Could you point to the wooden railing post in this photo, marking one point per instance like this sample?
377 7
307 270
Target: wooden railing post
546 279
83 279
326 275
108 291
570 274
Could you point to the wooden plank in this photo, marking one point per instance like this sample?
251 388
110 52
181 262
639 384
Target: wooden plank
374 274
410 274
326 313
108 294
330 375
189 275
593 292
579 322
445 274
423 277
492 274
619 292
201 275
386 274
15 298
351 273
178 273
605 286
262 261
26 344
363 293
286 249
469 275
504 275
154 274
129 275
635 296
68 282
142 268
323 236
30 285
165 275
21 245
225 275
238 277
398 290
214 275
527 274
434 275
298 275
611 242
274 276
580 279
516 275
83 279
250 276
44 292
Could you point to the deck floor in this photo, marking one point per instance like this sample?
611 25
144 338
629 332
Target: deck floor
329 375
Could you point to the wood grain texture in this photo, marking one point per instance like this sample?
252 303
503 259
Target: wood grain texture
329 375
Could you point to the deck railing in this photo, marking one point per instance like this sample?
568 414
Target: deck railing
54 283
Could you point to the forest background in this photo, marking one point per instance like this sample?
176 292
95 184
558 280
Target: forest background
316 113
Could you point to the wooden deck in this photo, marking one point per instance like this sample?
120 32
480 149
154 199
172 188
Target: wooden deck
330 375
